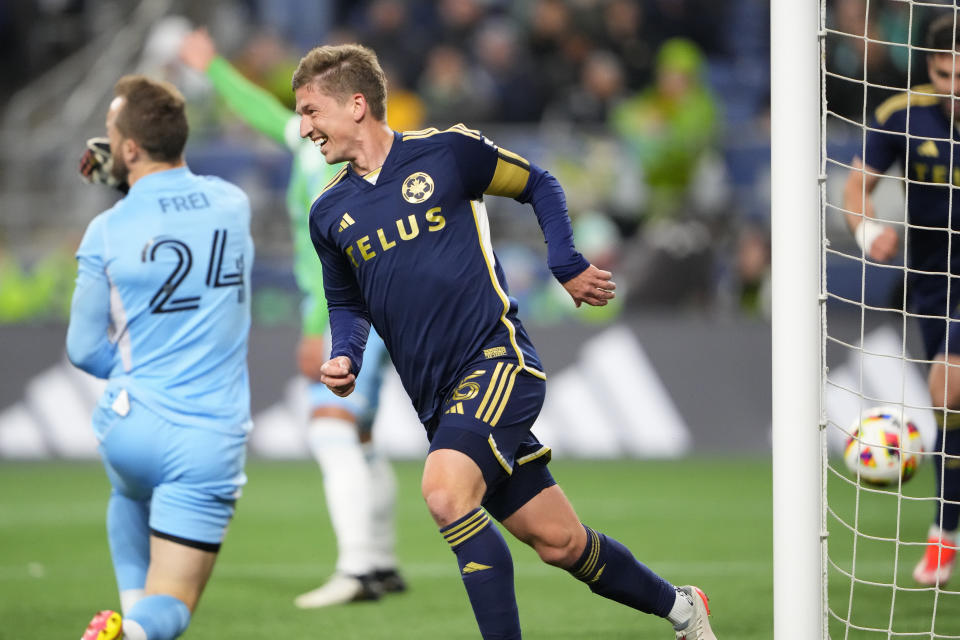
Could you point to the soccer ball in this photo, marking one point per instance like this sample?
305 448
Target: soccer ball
884 447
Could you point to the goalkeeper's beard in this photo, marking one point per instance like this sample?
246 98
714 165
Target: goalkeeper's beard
119 169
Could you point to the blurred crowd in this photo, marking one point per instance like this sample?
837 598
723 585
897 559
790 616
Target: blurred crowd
652 113
867 57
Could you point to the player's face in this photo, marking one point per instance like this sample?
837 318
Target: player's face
326 121
946 79
119 168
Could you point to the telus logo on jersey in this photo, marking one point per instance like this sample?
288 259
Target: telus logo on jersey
404 229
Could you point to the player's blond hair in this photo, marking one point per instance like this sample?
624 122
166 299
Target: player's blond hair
343 70
154 115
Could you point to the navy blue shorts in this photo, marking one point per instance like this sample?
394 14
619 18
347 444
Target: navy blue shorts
941 334
488 417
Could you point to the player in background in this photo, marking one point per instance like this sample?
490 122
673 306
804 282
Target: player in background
933 113
359 483
161 310
403 236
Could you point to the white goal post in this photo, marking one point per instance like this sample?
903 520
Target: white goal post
797 319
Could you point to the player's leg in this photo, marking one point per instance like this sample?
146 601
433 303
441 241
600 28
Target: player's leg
465 465
936 566
198 475
941 341
547 522
383 482
453 487
358 486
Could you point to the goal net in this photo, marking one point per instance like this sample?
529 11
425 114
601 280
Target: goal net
887 150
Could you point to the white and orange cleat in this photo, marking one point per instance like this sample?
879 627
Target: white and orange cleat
936 566
698 627
106 625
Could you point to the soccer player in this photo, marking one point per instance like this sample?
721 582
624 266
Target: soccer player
358 481
161 310
403 237
926 153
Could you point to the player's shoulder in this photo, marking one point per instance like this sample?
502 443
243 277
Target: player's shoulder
458 133
895 107
222 186
333 190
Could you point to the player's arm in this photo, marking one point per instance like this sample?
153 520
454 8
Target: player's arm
88 344
877 240
254 105
883 146
349 319
488 169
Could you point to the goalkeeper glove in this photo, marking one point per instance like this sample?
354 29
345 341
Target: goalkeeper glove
96 164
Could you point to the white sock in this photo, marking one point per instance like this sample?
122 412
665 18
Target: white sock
133 631
130 597
682 610
347 485
384 498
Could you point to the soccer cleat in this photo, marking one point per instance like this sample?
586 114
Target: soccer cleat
698 626
390 581
936 566
340 589
106 625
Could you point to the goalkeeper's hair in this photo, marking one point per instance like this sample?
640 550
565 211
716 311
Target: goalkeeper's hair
153 115
943 34
343 70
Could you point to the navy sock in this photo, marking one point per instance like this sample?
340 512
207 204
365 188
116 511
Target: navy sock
486 568
611 571
947 469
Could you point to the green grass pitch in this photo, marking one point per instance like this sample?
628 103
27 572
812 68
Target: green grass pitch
702 520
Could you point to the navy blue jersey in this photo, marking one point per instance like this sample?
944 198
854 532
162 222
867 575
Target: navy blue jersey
411 254
927 153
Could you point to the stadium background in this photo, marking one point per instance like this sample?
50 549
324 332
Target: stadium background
674 199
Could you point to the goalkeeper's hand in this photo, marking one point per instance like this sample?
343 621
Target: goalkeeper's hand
96 164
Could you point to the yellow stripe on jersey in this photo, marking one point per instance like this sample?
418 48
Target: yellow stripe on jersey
901 101
420 133
462 128
506 397
432 131
334 180
479 211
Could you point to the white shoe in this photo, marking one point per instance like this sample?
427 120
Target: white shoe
339 589
698 627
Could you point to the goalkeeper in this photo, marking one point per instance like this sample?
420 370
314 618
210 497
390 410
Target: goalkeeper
359 483
931 111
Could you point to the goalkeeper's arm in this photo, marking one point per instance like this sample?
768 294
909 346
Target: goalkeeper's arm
254 105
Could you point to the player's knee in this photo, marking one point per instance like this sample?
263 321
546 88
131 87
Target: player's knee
445 504
557 546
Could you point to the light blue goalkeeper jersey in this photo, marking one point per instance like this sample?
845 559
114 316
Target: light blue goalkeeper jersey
162 301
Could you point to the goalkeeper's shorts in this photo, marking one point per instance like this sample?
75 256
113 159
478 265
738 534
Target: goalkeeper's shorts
192 477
